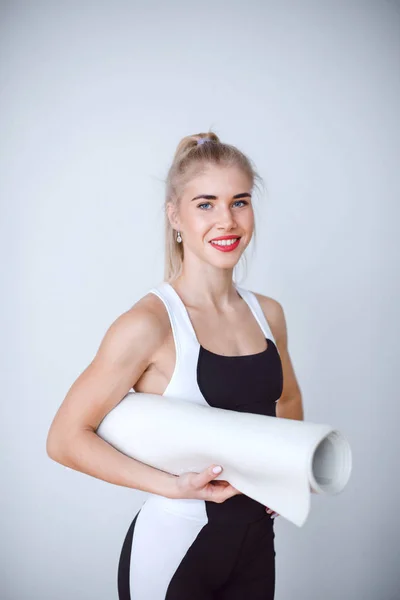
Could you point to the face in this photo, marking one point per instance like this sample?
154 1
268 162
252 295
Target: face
216 204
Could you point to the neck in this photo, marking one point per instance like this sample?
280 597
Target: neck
211 287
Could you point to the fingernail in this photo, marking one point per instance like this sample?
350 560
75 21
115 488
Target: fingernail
217 469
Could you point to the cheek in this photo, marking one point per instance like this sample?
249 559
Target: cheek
197 220
247 220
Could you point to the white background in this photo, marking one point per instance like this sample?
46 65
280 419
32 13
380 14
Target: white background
95 96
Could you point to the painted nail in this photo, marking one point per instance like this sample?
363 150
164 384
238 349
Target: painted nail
217 469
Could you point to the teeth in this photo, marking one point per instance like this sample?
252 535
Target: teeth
224 242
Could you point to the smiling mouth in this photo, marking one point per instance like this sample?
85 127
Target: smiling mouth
226 245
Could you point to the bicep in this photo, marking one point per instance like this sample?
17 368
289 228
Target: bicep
275 316
124 354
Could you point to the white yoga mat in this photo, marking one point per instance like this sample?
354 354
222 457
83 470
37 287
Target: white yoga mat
270 459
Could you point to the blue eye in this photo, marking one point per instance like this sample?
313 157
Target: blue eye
244 202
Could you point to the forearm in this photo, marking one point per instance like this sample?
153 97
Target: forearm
88 453
291 408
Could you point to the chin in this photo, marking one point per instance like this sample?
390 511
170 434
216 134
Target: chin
226 262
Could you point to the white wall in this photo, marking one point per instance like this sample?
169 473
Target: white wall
94 99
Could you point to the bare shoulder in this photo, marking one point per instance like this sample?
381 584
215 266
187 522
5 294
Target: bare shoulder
149 314
274 313
146 324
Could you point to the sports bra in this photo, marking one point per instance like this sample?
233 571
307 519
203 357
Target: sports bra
247 383
233 382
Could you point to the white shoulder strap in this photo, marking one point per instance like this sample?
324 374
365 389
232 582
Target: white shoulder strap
257 311
182 328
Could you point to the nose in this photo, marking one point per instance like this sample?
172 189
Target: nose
226 218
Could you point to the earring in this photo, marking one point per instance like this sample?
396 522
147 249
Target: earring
179 237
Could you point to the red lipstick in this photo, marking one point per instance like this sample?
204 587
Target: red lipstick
226 248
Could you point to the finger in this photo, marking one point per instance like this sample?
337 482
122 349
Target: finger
226 493
220 483
208 475
271 512
220 493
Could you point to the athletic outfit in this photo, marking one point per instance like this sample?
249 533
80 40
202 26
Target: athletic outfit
181 549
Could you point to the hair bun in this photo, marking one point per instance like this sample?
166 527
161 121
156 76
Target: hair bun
201 138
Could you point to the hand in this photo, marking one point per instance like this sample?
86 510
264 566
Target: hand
267 510
271 512
202 486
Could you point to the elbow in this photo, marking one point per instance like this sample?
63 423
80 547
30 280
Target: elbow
52 449
60 447
290 408
55 447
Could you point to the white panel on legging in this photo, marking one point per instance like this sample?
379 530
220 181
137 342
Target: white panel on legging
161 540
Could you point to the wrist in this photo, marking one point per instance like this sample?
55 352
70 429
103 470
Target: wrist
169 487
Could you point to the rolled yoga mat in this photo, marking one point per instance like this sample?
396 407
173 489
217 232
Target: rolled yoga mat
272 460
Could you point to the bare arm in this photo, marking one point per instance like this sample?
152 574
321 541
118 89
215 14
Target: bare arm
124 354
290 404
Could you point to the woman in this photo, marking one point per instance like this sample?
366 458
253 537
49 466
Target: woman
200 337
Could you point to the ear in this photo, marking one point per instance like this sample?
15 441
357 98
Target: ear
173 217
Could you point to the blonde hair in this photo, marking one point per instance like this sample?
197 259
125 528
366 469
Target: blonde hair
189 160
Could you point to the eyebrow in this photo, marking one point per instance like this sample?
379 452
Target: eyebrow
211 197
